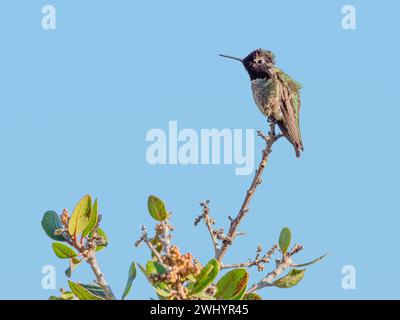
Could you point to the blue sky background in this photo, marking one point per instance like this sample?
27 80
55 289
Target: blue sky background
76 104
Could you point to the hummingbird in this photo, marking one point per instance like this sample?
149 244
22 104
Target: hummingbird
275 93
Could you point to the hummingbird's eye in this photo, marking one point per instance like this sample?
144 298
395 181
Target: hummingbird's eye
259 61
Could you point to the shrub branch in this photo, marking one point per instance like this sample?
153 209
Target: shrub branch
88 252
281 266
270 139
101 281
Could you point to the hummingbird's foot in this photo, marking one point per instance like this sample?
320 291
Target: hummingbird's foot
271 120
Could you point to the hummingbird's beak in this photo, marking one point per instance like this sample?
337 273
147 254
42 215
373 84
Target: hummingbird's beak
230 57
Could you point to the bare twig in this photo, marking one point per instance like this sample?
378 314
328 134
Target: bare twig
281 266
145 239
258 260
209 222
296 249
232 233
267 281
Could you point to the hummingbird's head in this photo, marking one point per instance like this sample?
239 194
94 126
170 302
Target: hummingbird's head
258 63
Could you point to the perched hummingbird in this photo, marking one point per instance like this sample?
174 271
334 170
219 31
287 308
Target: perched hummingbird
276 94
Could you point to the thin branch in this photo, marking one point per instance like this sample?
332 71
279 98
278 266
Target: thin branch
145 239
296 249
267 281
209 222
91 260
281 266
257 261
232 233
88 252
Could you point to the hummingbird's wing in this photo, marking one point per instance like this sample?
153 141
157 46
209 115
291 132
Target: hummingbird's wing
290 106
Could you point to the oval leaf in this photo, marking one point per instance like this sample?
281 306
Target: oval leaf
73 263
95 289
284 239
131 277
291 279
81 292
203 296
50 223
80 216
62 251
251 296
67 295
157 208
93 217
232 284
206 276
162 290
154 267
240 295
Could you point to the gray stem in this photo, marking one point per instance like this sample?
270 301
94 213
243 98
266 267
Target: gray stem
91 260
268 280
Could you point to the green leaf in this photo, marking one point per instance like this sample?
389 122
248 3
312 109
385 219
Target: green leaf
291 279
191 278
95 289
311 262
206 276
163 290
284 239
203 296
62 251
231 284
50 223
131 277
92 220
251 296
102 234
67 295
80 216
154 267
68 272
82 293
157 208
73 263
240 295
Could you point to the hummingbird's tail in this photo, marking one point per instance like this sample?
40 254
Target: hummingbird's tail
293 137
298 149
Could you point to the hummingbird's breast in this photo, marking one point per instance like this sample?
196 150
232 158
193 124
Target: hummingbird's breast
266 97
261 95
